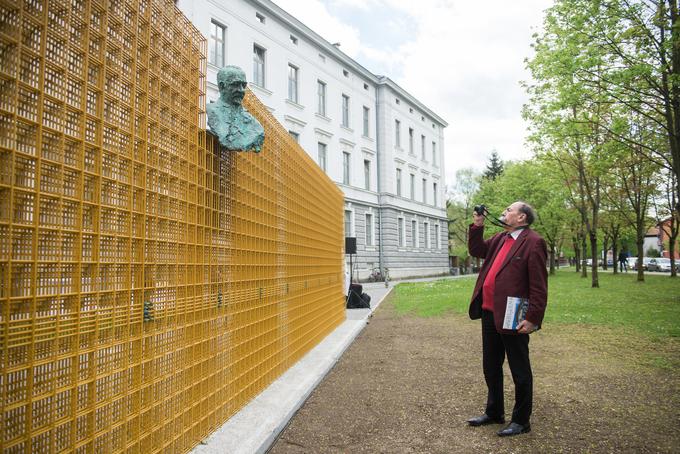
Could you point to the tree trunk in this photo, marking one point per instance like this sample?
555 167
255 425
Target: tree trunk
615 248
593 247
672 238
640 240
672 103
584 254
577 254
615 255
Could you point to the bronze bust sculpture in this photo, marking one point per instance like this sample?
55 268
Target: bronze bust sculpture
234 126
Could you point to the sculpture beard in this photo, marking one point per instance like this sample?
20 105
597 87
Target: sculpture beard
235 127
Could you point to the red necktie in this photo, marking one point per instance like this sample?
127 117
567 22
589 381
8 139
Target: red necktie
490 281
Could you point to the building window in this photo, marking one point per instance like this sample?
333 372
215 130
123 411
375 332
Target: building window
345 167
295 136
434 153
422 147
397 133
348 222
437 237
426 228
399 182
367 174
260 18
366 87
413 186
322 156
414 233
367 112
410 140
293 40
424 190
292 83
258 65
345 111
345 73
369 229
400 227
434 194
321 94
217 43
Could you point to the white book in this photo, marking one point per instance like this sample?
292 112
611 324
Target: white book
515 311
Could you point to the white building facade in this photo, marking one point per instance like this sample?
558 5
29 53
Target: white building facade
382 147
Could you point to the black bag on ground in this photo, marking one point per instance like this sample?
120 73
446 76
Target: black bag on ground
356 300
367 299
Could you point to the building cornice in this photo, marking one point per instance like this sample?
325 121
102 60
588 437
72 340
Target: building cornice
386 81
294 120
323 132
349 143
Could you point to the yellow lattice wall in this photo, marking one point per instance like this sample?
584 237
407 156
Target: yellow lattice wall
150 284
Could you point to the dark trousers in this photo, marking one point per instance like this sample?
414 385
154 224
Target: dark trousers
495 346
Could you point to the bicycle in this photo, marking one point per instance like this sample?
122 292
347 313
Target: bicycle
378 276
375 276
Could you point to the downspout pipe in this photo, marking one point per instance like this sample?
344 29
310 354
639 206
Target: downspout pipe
378 153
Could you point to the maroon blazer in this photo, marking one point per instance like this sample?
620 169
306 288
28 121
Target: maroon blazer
523 274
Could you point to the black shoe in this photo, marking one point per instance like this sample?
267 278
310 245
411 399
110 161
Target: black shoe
484 420
514 429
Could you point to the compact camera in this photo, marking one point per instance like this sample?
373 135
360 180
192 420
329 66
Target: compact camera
480 210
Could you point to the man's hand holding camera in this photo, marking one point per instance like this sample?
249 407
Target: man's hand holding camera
478 216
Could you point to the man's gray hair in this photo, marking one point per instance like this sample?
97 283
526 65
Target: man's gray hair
528 211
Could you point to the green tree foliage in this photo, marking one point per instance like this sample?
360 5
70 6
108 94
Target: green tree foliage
607 76
459 211
495 166
535 183
635 184
566 114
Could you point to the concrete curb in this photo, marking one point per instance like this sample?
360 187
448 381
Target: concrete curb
256 427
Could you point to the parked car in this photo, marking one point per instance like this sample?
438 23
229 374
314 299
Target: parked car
610 263
645 263
600 263
660 264
632 261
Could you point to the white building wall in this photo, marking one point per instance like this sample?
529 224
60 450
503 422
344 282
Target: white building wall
316 60
245 30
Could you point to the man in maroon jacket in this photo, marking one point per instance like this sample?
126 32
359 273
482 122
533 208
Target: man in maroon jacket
514 266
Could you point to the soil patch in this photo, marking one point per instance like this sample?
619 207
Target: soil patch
408 384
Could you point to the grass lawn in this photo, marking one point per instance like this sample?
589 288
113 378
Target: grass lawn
651 308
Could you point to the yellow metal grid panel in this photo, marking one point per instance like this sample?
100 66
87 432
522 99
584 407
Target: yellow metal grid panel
150 283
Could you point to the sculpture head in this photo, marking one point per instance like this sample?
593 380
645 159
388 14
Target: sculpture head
231 81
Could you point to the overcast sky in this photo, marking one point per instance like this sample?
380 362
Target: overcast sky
463 59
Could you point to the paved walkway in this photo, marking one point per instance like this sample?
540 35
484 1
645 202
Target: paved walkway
257 425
